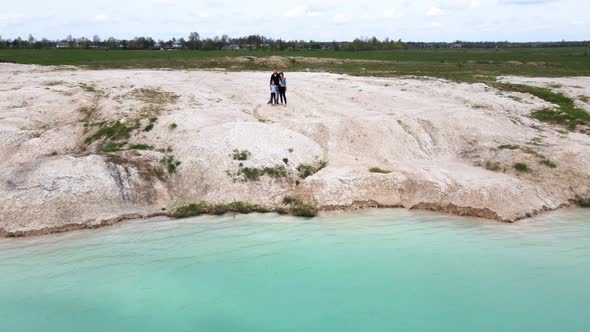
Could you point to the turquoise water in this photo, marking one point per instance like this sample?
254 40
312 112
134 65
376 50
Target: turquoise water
379 270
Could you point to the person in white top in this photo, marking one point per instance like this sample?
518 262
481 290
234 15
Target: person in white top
283 88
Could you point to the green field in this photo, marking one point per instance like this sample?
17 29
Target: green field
455 64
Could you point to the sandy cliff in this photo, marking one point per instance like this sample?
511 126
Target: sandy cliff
447 146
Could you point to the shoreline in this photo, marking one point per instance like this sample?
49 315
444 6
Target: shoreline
344 210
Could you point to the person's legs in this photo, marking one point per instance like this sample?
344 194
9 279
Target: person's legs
283 96
273 98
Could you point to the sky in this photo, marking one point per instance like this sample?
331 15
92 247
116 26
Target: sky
320 20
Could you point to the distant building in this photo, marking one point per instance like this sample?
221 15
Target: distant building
231 47
456 46
61 45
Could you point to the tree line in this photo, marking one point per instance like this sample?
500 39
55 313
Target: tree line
258 42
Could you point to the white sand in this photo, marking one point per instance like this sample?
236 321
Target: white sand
434 136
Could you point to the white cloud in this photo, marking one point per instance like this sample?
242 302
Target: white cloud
392 12
100 18
341 18
460 4
11 19
301 11
435 11
527 2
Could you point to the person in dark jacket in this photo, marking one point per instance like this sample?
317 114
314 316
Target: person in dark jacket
283 88
274 80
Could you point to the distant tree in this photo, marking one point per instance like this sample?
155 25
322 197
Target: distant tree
112 43
18 43
194 41
357 44
84 42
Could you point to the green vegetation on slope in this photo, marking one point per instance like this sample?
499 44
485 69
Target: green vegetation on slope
112 131
296 208
567 114
378 170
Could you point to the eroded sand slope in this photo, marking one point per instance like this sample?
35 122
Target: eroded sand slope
440 140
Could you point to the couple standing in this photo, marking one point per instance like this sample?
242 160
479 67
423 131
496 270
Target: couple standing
278 88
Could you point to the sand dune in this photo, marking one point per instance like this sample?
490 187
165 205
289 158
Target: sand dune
440 142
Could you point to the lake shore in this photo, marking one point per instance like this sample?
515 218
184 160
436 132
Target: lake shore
89 148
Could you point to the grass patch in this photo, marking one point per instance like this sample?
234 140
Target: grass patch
254 174
150 110
110 147
306 171
89 112
197 209
241 207
521 167
570 118
566 114
548 163
112 131
172 126
585 99
299 208
493 166
154 96
251 173
141 147
190 210
583 202
288 200
171 164
555 86
530 151
508 147
54 83
378 170
241 155
277 171
87 87
150 126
